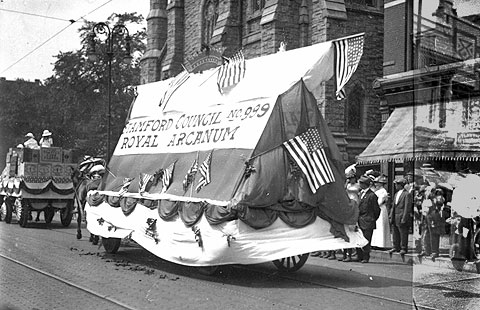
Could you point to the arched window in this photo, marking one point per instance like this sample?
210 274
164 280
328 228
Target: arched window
210 15
354 109
257 5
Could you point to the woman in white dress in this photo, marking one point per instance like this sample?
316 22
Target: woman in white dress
381 237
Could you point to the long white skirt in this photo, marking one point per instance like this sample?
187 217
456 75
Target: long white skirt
381 237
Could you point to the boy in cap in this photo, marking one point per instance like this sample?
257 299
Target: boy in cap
401 217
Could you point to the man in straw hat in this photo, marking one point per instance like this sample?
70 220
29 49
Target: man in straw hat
30 141
367 216
401 217
46 140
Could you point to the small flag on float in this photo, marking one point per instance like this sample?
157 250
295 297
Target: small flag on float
145 182
126 183
231 72
204 170
167 177
190 174
174 84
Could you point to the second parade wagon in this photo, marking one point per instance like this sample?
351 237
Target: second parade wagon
37 180
204 176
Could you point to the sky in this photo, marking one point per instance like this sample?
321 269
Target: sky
32 32
464 7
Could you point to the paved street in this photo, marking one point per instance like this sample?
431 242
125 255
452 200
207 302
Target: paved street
45 267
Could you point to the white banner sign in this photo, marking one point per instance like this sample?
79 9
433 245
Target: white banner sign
220 127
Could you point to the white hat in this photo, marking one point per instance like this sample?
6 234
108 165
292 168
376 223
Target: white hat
46 133
29 135
97 168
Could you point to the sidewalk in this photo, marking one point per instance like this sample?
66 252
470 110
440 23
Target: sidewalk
412 258
443 261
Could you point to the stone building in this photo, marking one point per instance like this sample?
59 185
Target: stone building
186 32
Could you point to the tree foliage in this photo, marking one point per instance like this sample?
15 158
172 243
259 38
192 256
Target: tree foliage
73 102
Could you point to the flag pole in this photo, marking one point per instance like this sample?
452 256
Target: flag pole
208 78
184 68
193 181
350 36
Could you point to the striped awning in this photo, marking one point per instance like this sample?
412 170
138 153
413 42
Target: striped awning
405 137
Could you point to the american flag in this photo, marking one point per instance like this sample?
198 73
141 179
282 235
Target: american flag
190 175
144 182
167 177
204 172
231 72
125 185
173 86
307 151
347 56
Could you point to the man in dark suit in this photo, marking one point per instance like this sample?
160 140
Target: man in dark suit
369 212
401 217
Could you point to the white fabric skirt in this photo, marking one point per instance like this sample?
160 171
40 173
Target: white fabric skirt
381 237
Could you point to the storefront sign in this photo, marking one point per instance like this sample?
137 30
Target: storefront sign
468 138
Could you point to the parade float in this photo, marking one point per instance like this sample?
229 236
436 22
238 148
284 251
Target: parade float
233 165
37 180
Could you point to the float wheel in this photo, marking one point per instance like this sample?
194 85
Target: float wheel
66 214
291 263
6 211
8 205
23 211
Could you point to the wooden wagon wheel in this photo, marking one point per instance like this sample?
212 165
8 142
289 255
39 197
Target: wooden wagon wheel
6 210
66 214
291 263
23 211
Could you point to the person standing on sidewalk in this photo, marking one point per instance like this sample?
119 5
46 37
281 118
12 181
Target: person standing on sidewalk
401 217
353 189
369 211
432 227
381 237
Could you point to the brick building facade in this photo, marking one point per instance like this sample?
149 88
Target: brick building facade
180 30
431 68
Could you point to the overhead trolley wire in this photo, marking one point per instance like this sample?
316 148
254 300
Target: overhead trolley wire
56 34
38 15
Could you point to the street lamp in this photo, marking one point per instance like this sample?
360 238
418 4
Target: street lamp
112 36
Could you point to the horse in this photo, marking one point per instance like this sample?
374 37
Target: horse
86 177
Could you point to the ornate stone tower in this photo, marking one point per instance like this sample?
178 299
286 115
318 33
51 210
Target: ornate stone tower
156 38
